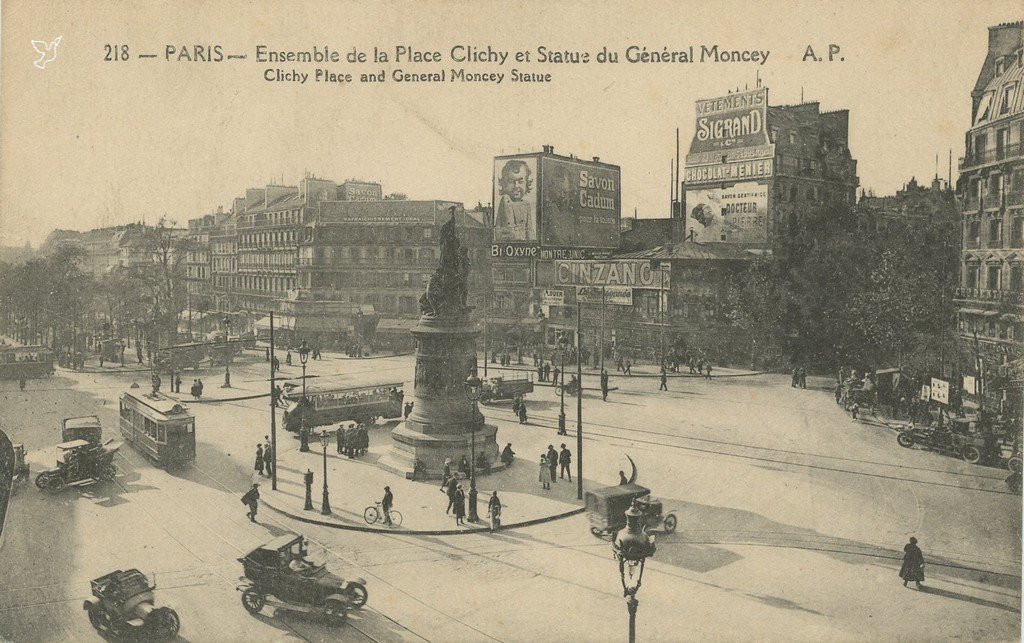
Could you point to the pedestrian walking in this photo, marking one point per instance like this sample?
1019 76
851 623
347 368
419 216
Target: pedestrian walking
341 440
288 358
21 383
446 474
540 372
628 368
547 371
796 378
564 460
522 412
552 456
460 505
544 477
177 384
259 459
252 500
494 511
664 381
453 487
707 372
913 564
385 505
268 456
803 377
557 373
604 385
700 367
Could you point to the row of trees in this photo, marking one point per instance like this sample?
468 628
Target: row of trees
53 300
831 296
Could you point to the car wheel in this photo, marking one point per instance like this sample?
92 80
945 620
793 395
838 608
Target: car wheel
163 622
905 440
42 479
970 453
108 473
1014 464
253 600
53 483
334 612
97 617
358 594
670 523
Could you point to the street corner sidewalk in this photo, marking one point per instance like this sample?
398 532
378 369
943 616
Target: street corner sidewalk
212 393
356 484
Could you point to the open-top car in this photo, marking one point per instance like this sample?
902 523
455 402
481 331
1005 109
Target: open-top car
80 462
606 509
505 388
122 605
278 574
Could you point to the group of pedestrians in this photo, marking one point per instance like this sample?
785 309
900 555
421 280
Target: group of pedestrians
196 390
519 408
799 377
550 462
264 458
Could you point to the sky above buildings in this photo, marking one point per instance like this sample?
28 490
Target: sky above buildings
87 142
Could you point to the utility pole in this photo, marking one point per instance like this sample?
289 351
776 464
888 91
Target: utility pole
579 401
273 409
601 343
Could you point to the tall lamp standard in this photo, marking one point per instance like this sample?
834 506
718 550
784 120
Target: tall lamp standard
473 384
631 547
325 439
562 345
303 431
543 321
227 353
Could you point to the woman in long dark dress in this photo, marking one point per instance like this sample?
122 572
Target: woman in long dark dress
913 563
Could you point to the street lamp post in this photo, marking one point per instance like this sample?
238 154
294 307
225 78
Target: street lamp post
325 439
227 353
561 384
303 431
542 318
473 384
631 547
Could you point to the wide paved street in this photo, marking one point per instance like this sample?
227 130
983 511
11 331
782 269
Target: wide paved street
792 519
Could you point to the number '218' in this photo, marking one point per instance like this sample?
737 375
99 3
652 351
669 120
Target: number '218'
115 53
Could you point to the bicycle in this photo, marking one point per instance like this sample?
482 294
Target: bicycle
374 514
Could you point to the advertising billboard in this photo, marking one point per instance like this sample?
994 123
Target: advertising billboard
634 273
940 391
730 171
515 196
580 204
738 213
611 295
732 121
553 297
360 191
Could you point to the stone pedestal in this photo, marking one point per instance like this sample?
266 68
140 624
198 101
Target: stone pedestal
444 421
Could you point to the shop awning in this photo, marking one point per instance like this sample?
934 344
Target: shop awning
396 325
281 322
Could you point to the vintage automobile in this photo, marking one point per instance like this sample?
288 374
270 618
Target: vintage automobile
122 605
86 428
79 463
968 438
606 509
278 574
504 388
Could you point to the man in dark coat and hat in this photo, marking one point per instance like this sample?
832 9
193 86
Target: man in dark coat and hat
913 563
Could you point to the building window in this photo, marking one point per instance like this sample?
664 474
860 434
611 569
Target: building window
983 108
792 138
428 233
992 281
972 277
1016 278
995 232
1017 232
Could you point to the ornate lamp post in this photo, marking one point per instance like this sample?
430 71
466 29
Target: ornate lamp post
303 431
562 345
631 547
473 384
227 353
543 320
325 508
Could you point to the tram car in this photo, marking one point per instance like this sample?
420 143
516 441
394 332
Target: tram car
159 427
29 362
363 404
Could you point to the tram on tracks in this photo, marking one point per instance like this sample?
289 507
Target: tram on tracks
329 405
29 362
159 427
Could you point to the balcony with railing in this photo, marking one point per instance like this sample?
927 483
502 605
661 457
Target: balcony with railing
988 295
978 158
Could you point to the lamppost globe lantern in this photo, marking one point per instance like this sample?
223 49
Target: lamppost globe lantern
303 431
303 353
473 383
632 546
325 439
325 506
